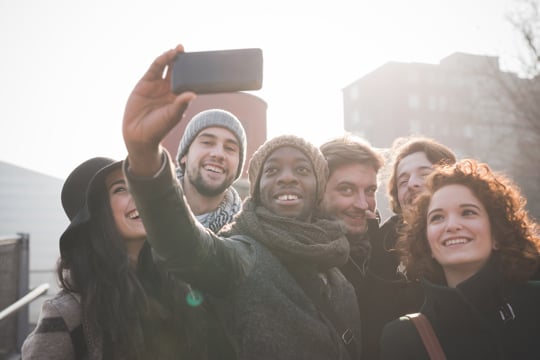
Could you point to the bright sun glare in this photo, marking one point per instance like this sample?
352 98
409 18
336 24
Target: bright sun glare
68 68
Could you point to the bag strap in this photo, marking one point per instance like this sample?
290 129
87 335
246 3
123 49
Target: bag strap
428 336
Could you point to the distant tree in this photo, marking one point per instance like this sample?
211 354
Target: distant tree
522 97
525 18
517 99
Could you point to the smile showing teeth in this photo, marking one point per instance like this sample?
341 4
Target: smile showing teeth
288 197
455 242
133 215
214 169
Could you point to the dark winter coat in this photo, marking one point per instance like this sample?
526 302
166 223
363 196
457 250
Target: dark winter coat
383 295
265 312
468 321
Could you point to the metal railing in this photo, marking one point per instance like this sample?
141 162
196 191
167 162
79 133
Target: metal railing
14 292
25 300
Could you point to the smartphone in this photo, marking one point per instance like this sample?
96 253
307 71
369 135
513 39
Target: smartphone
217 71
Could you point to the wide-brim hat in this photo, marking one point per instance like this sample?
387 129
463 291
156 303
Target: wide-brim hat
81 193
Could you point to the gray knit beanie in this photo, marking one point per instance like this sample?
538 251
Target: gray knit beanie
312 152
210 118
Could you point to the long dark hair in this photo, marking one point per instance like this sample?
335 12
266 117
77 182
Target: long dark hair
97 268
127 304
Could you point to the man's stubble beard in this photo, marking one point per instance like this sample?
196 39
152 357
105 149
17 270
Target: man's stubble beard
204 189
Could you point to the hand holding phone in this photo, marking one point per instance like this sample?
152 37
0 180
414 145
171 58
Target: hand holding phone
217 71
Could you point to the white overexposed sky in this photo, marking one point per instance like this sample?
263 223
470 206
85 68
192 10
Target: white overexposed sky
68 66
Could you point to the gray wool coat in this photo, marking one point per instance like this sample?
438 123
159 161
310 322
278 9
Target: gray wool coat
60 322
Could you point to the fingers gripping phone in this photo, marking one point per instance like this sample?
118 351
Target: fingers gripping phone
217 71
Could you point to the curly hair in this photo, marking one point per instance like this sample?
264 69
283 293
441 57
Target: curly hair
516 234
436 153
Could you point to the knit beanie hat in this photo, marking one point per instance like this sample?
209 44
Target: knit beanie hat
210 118
318 161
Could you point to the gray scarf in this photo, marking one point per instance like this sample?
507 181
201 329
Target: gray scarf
224 213
321 243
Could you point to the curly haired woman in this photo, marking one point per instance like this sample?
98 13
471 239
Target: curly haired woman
471 242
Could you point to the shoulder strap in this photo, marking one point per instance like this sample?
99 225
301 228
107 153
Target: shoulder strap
429 338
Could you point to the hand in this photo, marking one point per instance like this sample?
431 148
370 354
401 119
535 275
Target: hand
152 110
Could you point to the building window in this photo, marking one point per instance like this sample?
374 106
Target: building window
353 93
414 101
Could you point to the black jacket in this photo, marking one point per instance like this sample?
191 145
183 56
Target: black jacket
468 322
383 295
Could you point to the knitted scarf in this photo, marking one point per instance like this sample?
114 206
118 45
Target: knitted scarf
224 213
321 244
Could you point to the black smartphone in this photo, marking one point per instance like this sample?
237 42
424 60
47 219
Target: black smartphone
218 71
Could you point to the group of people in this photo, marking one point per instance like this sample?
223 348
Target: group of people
163 260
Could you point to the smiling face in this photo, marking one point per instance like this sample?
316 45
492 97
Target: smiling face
411 177
458 232
212 160
288 186
125 214
350 196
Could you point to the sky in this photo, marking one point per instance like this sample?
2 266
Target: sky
68 66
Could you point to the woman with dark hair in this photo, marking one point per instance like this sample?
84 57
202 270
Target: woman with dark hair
114 303
471 242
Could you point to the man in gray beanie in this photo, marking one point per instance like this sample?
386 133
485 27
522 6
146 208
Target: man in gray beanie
211 157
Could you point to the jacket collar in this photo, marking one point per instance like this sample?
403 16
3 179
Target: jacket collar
485 293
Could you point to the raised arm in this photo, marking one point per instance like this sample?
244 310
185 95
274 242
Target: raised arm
152 110
180 243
